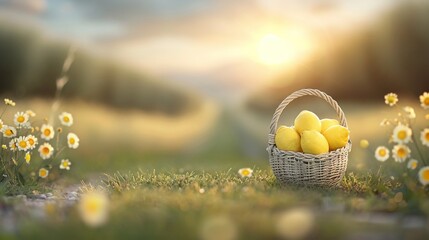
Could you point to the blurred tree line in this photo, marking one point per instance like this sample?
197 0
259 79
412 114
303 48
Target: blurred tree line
391 55
30 63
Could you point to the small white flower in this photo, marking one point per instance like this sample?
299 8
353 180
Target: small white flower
424 100
66 119
46 151
245 172
47 132
381 153
424 137
12 145
424 175
72 140
65 164
411 114
22 143
2 126
402 134
9 102
32 141
401 152
30 113
9 131
43 172
21 119
412 164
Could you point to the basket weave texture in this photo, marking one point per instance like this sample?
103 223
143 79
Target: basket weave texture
325 170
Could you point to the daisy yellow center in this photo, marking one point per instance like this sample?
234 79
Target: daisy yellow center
20 119
31 141
402 134
413 165
66 119
65 164
1 126
382 152
23 144
391 98
426 101
426 174
72 141
402 152
43 173
8 132
92 206
47 132
45 150
245 172
427 136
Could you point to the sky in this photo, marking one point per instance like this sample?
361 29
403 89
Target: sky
201 38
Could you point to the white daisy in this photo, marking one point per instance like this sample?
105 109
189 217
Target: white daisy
66 119
245 172
43 172
72 140
65 164
32 141
412 164
12 145
22 143
47 132
402 134
424 137
21 119
391 99
9 102
381 153
411 114
424 175
9 131
424 100
46 151
400 152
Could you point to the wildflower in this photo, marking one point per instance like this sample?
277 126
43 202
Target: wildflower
93 208
424 175
46 150
245 172
21 119
47 132
30 113
412 164
65 164
295 223
400 152
66 119
27 157
22 143
402 134
43 172
32 141
9 132
391 99
411 114
4 146
424 137
381 153
364 143
12 145
424 100
9 102
1 125
72 140
201 190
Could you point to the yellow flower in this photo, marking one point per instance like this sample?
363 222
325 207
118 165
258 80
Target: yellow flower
65 164
9 131
47 132
364 143
43 172
424 175
424 100
27 157
391 99
424 137
412 164
21 119
32 141
9 102
400 152
381 153
93 208
72 140
411 114
12 145
22 143
402 134
46 151
66 119
4 146
245 172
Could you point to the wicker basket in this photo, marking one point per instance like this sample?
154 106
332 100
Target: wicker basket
300 168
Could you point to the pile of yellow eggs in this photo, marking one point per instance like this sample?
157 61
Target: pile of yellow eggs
312 135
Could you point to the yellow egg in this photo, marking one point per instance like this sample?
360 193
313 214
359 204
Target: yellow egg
288 139
326 123
337 136
307 120
314 142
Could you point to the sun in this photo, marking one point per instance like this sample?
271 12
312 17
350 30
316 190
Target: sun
275 49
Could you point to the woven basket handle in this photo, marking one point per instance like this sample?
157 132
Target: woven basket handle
301 93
